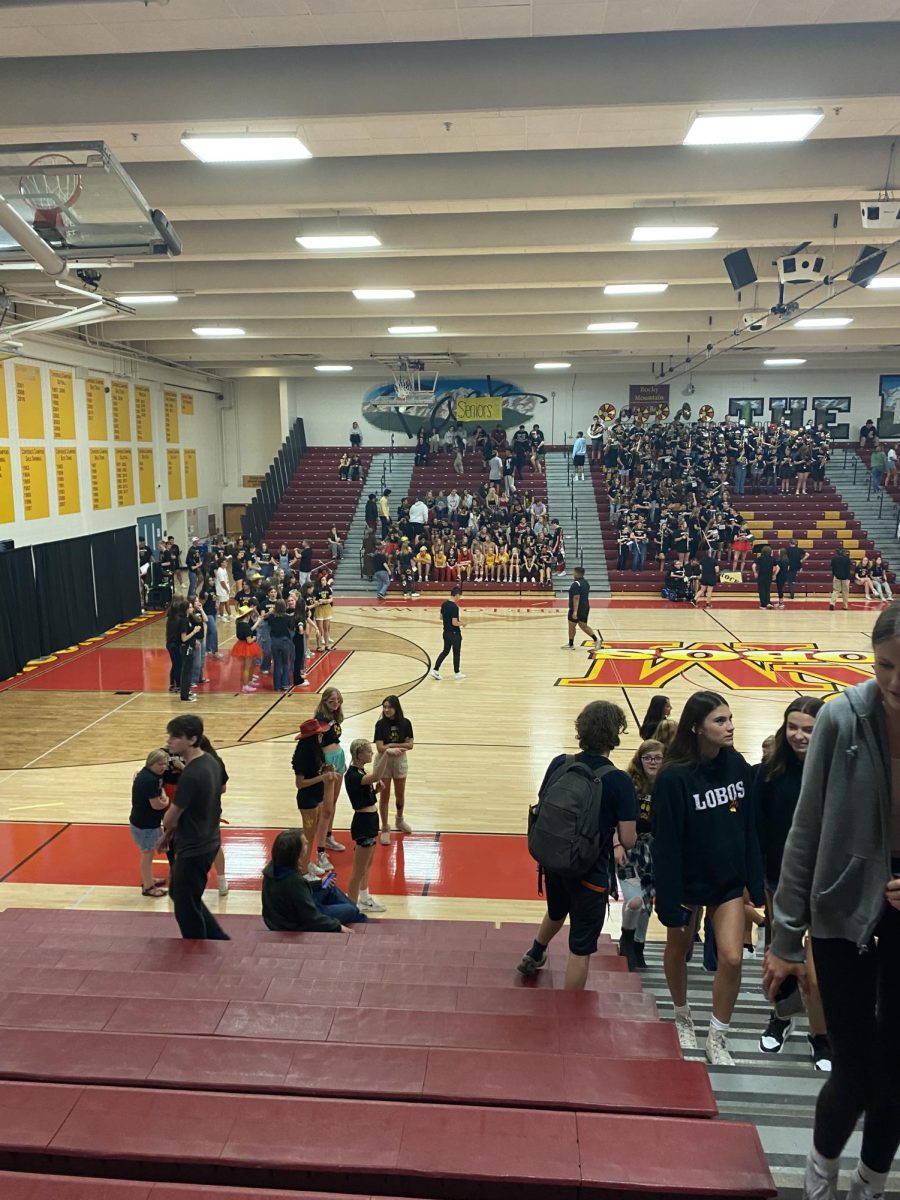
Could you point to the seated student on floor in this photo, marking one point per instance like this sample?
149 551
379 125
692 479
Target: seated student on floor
292 905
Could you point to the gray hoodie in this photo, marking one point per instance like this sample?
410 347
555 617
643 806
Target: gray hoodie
837 860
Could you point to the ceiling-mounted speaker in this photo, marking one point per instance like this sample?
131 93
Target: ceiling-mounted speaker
740 269
867 265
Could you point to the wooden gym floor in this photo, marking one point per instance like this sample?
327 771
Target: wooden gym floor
74 731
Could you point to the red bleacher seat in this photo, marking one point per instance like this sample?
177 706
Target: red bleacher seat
314 499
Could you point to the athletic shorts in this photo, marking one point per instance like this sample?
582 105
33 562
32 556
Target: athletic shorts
397 766
577 460
335 757
364 828
585 908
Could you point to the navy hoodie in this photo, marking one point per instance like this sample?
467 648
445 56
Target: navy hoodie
705 844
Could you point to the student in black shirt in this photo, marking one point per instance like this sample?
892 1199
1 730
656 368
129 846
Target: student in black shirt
310 773
395 730
280 639
452 634
765 569
192 562
148 802
191 828
359 783
579 610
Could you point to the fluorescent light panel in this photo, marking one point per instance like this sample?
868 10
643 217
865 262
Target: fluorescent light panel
399 330
783 362
551 366
384 294
162 298
822 322
245 147
748 129
339 241
634 289
218 331
674 233
332 368
883 282
612 326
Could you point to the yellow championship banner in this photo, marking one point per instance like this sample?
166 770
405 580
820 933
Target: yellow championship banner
35 493
121 410
479 408
101 497
62 406
170 409
7 504
4 411
95 398
187 404
143 417
190 475
29 401
124 478
173 470
68 492
146 480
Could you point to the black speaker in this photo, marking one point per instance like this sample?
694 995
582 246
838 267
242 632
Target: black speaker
867 265
740 269
7 544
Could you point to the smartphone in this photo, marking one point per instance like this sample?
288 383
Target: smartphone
328 880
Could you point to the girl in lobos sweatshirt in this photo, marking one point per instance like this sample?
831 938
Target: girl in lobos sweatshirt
705 852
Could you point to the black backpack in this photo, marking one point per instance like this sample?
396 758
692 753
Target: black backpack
564 835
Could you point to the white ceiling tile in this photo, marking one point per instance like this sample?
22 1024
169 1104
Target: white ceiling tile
499 126
23 41
184 35
285 31
504 142
558 20
366 26
639 16
78 39
509 21
416 5
875 10
45 14
182 10
776 12
333 8
434 25
270 8
709 14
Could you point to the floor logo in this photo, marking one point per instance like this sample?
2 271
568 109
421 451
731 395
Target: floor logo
740 666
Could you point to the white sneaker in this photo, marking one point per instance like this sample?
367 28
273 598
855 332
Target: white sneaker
223 886
859 1190
749 952
371 904
435 675
315 871
385 837
458 675
684 1027
717 1052
817 1186
333 844
324 863
402 826
311 876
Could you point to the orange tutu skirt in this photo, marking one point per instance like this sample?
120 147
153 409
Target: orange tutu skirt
246 650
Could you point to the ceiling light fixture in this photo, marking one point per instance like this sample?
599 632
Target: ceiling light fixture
552 366
332 368
748 129
161 298
822 322
218 331
384 294
612 326
783 362
339 241
634 289
674 233
884 282
245 147
411 330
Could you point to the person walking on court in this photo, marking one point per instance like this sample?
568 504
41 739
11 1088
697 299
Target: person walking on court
840 579
765 569
579 453
191 828
840 882
580 792
580 609
452 634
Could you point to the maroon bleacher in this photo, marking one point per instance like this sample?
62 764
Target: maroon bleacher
402 1059
314 500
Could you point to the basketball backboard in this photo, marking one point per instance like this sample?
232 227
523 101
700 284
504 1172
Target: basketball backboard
79 199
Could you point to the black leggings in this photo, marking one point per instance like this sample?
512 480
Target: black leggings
861 998
299 657
187 668
452 641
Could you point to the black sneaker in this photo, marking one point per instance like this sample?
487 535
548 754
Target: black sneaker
775 1035
531 966
820 1049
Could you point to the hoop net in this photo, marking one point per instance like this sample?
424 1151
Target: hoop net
50 194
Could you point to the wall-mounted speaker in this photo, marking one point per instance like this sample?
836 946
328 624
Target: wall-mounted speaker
867 265
740 269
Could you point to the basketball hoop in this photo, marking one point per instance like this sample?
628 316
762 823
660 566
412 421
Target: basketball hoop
50 191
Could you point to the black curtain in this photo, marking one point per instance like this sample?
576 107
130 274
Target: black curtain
20 631
64 574
103 555
127 570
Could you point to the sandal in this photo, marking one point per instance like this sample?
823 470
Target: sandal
155 892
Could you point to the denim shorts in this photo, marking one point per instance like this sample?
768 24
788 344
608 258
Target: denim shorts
145 839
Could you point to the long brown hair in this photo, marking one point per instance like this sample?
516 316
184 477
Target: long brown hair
643 784
779 757
685 748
